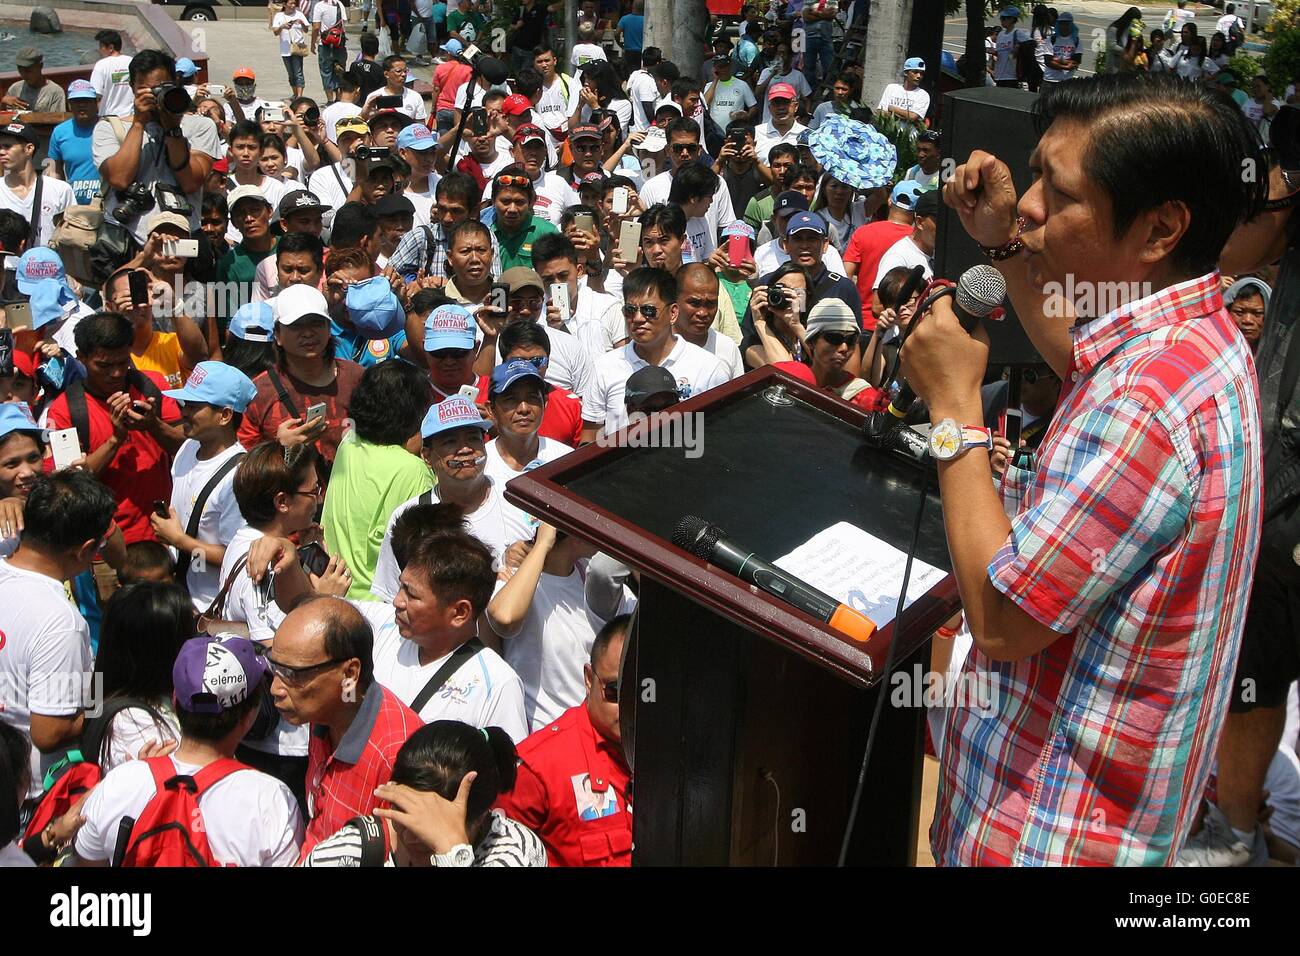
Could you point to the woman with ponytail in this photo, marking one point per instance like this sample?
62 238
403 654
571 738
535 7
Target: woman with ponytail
439 812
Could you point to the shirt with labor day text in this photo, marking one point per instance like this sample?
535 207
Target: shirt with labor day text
1135 541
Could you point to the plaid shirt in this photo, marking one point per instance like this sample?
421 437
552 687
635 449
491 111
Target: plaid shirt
1136 540
413 254
341 785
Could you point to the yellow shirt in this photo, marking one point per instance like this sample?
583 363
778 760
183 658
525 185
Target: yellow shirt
163 355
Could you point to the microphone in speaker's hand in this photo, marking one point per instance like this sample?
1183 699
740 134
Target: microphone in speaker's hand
709 542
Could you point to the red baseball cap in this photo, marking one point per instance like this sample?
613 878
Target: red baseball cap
798 370
221 166
527 133
781 91
516 104
24 363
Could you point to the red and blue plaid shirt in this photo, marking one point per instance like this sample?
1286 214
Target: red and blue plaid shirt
1135 539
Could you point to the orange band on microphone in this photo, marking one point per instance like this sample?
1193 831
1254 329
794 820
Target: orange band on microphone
850 622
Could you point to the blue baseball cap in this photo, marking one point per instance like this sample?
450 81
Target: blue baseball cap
1012 12
254 322
788 202
81 90
914 63
51 301
37 264
216 383
1067 16
374 308
507 373
905 194
416 136
17 417
453 46
452 413
804 138
449 327
804 221
186 67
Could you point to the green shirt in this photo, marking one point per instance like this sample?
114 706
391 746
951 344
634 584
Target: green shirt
367 483
759 209
517 249
239 264
456 18
738 291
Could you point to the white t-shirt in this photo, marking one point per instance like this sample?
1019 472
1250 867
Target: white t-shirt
769 78
767 136
770 256
582 54
336 111
725 350
423 202
45 660
242 604
1005 43
111 78
641 88
249 818
1227 22
694 369
221 518
521 526
552 643
914 101
56 196
331 185
327 13
299 29
719 214
731 96
134 727
488 524
561 97
906 253
412 102
482 692
1063 48
1253 109
570 365
597 321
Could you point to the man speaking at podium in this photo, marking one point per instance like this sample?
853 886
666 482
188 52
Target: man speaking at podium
1107 610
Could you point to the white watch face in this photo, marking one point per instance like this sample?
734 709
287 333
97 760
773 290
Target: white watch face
945 440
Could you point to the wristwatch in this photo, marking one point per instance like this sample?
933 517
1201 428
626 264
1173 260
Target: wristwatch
948 440
460 855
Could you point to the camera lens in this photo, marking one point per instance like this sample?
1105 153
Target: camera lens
776 297
311 116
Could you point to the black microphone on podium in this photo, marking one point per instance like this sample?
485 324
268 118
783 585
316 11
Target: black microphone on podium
979 293
710 542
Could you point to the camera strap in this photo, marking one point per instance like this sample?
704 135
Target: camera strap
80 415
34 234
200 502
444 673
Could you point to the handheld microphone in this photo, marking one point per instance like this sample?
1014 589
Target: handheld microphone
709 542
979 293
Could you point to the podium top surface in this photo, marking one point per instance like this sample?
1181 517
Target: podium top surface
771 476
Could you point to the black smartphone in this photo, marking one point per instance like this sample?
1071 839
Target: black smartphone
388 102
313 558
160 508
737 139
139 280
140 408
6 353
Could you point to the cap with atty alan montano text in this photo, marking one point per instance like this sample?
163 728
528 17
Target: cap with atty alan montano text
218 384
451 413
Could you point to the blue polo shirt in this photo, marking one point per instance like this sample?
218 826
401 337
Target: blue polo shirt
71 145
633 27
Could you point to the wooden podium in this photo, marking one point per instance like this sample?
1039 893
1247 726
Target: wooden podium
744 719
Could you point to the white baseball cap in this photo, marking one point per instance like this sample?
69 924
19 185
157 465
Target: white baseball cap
299 302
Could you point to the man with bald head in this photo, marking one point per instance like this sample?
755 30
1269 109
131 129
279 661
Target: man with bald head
698 299
323 675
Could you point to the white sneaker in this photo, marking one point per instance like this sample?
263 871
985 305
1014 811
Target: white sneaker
1217 845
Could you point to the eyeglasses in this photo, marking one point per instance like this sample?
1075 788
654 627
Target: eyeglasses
512 180
688 148
646 309
841 338
300 675
610 690
449 355
313 493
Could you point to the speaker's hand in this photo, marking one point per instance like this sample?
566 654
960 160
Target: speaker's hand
982 193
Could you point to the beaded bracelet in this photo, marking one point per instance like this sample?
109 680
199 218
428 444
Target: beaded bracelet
1009 249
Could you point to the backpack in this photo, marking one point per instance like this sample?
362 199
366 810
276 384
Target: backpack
169 830
91 247
78 770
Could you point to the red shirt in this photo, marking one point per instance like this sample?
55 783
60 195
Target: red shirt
341 785
140 472
571 791
266 412
866 248
562 418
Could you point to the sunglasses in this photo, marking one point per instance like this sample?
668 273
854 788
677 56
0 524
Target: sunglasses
841 338
688 148
511 180
300 675
646 309
609 690
449 355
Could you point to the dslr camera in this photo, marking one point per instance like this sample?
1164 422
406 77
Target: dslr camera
132 202
172 98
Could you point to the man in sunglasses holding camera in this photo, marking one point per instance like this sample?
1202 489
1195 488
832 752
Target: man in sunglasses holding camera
161 159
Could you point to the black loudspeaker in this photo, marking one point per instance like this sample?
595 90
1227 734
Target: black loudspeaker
997 121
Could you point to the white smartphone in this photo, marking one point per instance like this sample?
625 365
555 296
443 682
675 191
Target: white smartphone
469 393
181 248
216 89
316 411
65 447
618 205
629 241
273 114
559 293
471 52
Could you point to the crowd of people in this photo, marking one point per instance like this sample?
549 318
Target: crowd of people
256 434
